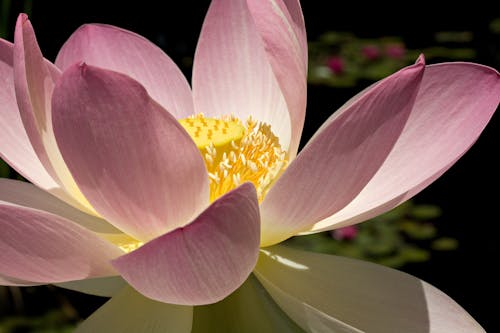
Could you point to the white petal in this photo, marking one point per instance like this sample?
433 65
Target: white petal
325 293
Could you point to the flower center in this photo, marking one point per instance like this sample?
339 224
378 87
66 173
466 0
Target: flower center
235 153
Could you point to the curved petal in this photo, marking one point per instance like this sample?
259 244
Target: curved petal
105 286
133 161
453 106
338 162
204 261
129 311
123 51
333 294
283 35
34 80
15 146
249 309
8 281
27 195
44 248
232 73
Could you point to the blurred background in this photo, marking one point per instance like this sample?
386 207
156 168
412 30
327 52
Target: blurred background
447 235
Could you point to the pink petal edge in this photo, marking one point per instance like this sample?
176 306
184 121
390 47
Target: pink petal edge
27 195
33 85
34 80
8 281
16 148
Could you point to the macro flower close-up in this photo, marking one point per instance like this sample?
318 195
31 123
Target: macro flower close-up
173 198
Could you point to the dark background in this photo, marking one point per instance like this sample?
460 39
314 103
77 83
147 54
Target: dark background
468 193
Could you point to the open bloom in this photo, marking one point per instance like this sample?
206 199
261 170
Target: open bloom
168 198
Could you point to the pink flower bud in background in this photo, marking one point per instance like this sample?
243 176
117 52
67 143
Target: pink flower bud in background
345 233
395 51
370 52
336 64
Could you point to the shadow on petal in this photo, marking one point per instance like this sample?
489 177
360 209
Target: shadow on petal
249 309
335 294
129 311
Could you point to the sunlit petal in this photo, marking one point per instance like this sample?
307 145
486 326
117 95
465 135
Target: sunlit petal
232 73
281 26
340 160
34 81
27 195
41 247
15 146
453 106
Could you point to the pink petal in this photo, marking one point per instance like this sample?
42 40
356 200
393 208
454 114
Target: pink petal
128 53
132 160
297 23
44 248
15 146
34 85
283 35
27 195
453 106
204 261
341 158
232 73
129 311
325 293
34 79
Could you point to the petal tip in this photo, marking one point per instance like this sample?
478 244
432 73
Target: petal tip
420 60
22 18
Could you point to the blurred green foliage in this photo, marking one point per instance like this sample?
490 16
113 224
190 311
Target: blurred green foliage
403 235
342 59
54 321
41 309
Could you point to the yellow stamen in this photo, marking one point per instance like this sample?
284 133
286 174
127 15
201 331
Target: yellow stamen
235 153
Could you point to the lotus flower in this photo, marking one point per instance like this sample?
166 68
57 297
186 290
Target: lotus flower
174 200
